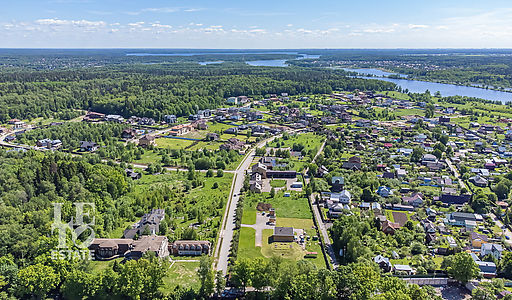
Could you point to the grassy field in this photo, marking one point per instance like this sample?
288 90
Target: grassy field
183 274
169 143
289 250
295 206
148 157
97 266
218 127
249 216
309 140
278 183
205 145
246 248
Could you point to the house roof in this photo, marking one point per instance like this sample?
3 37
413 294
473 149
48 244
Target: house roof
340 179
283 231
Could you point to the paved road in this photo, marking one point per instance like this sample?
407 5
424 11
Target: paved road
228 222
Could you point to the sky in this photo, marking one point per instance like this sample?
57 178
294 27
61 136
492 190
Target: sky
256 24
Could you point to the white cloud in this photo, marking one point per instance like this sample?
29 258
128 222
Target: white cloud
417 26
162 26
58 22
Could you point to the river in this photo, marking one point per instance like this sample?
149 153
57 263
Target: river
417 86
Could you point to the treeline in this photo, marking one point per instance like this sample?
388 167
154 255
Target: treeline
302 280
157 90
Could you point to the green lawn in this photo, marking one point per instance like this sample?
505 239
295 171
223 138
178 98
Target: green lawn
295 223
309 140
98 266
295 206
149 157
183 274
246 245
278 183
249 216
205 145
173 143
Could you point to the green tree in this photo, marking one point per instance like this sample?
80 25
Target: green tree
417 154
220 282
462 267
505 265
206 276
37 280
242 273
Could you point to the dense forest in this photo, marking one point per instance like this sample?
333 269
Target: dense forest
157 90
30 182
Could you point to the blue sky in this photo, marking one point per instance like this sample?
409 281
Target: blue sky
255 24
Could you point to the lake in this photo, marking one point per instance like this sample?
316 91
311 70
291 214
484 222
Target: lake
417 86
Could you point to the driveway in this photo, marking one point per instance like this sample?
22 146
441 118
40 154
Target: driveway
261 223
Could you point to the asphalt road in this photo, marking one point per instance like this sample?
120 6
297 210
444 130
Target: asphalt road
228 223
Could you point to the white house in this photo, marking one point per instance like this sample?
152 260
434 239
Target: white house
493 249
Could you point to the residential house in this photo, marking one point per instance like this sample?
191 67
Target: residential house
232 100
403 269
88 146
132 174
256 187
353 163
477 240
211 136
389 227
190 248
170 119
454 199
149 222
181 129
478 181
114 118
384 191
492 249
344 197
460 218
415 200
128 133
48 143
110 248
337 183
487 269
383 262
159 245
147 140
